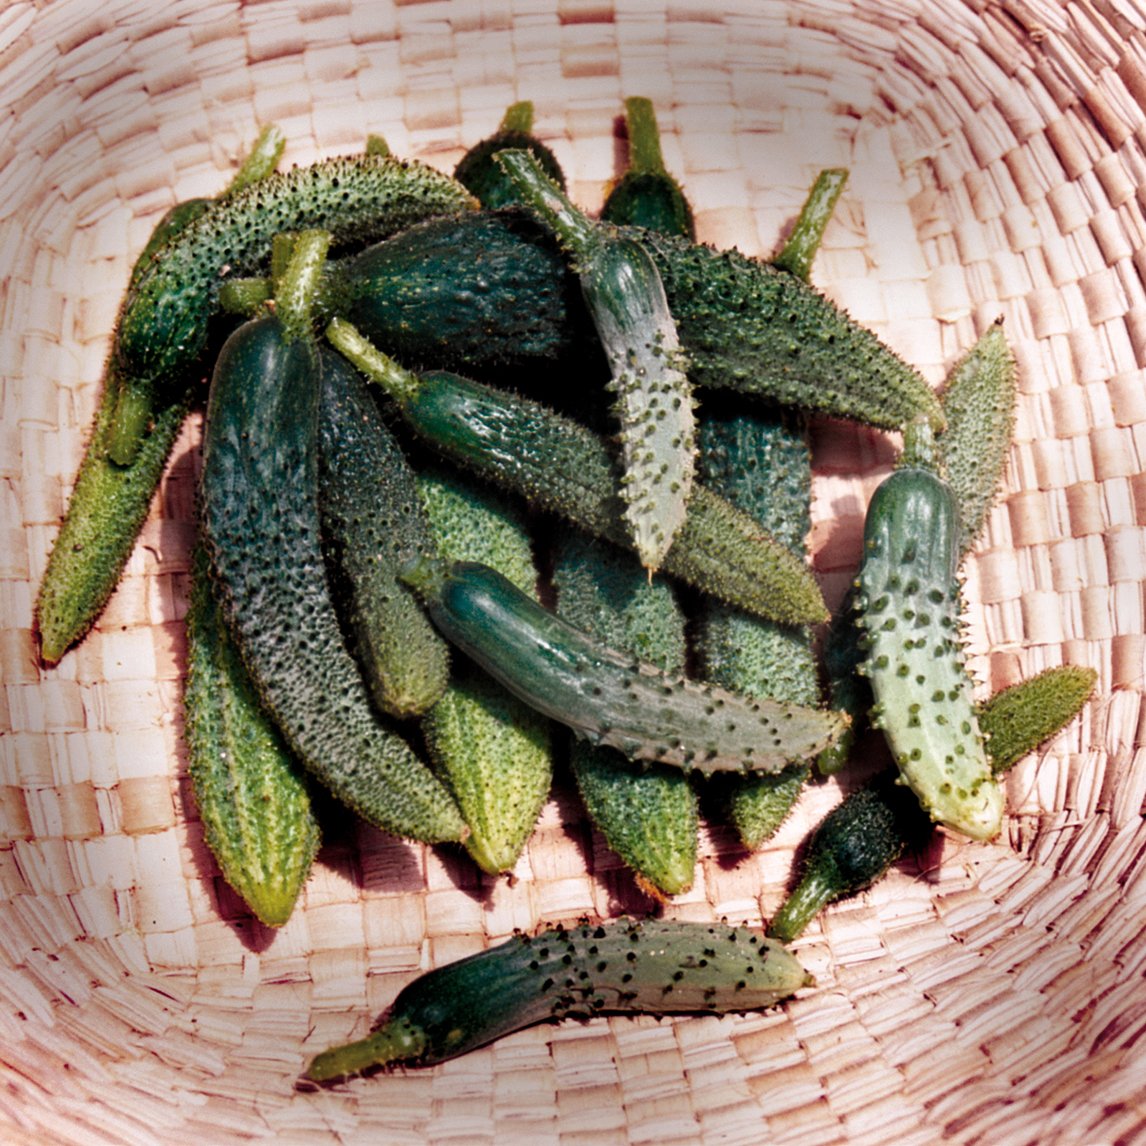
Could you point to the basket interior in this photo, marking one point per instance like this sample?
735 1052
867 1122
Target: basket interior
981 991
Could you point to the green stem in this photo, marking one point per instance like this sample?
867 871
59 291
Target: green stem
377 145
262 160
799 251
571 225
810 896
391 1043
645 153
402 385
294 291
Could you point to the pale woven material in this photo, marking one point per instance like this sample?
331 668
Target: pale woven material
987 993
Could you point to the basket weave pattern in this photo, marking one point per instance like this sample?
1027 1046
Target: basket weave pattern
988 992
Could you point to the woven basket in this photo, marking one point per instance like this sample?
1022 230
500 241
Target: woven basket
979 993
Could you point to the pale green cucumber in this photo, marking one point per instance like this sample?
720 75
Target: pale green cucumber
253 799
491 750
647 815
652 395
624 966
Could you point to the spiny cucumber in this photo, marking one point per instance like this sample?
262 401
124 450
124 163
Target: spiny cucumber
621 967
646 195
480 174
652 395
493 752
373 523
560 466
260 517
647 815
109 503
253 800
604 696
908 607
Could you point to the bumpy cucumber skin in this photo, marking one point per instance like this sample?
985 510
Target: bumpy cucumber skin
253 799
163 327
652 396
604 696
373 524
621 967
558 465
909 611
647 815
493 752
260 520
760 461
478 172
979 402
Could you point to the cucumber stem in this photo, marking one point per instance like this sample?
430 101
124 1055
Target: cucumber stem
518 117
377 145
294 290
799 252
262 160
571 225
393 1042
132 422
401 384
244 296
645 155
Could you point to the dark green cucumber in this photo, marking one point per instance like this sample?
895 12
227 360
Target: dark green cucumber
646 195
109 503
763 465
260 518
859 840
253 799
605 696
652 395
479 173
621 967
560 466
372 524
743 324
163 327
908 608
647 815
979 402
493 752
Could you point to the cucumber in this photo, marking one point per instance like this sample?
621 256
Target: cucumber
859 839
646 195
493 752
480 174
604 696
908 608
253 799
163 326
978 399
652 396
558 465
260 521
109 503
373 523
647 815
620 967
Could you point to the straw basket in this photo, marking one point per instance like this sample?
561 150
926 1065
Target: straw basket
987 993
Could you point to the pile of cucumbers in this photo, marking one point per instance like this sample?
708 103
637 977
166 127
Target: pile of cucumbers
492 487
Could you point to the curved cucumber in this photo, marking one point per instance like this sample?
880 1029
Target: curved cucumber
621 967
259 503
909 611
253 800
372 524
604 696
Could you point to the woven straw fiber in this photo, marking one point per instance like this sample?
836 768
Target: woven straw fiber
987 993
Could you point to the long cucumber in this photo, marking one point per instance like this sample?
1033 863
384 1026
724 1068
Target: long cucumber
260 516
620 967
605 696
